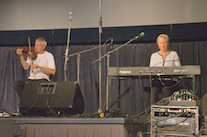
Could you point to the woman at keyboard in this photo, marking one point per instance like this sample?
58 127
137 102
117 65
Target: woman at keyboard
163 58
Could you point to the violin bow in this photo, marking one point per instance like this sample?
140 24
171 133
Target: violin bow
30 49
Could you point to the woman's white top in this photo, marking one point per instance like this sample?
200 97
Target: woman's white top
171 60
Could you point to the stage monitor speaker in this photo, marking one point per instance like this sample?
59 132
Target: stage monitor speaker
46 98
203 105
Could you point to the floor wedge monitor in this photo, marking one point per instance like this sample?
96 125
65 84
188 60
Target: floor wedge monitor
54 98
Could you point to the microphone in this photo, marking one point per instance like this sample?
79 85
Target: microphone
71 14
111 44
140 35
112 40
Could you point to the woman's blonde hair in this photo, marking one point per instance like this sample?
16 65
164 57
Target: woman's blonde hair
163 36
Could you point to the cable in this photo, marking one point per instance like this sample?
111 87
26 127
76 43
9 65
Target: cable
120 96
142 92
33 104
46 99
142 117
172 85
150 76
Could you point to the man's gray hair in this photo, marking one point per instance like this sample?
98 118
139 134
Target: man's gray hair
43 41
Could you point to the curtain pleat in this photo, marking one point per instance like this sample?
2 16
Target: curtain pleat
134 99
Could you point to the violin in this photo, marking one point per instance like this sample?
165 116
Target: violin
26 52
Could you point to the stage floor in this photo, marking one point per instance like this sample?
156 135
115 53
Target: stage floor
68 127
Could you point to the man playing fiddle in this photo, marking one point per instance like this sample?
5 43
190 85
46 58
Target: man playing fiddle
40 68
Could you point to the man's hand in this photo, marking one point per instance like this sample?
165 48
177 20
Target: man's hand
48 70
19 51
23 62
34 66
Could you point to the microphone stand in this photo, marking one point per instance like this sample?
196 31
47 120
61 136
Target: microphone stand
104 45
136 37
78 57
100 32
78 68
67 48
108 85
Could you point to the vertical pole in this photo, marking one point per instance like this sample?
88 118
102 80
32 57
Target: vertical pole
100 32
119 92
67 48
78 68
107 86
194 88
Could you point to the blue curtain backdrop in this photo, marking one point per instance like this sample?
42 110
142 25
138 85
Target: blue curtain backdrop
132 55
